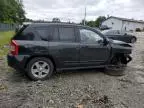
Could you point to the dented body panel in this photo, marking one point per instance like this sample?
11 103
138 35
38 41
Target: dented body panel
69 55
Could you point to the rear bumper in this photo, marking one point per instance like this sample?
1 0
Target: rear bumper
16 62
12 62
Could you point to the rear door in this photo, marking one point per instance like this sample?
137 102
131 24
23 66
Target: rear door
64 47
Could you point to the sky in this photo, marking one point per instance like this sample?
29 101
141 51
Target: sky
73 10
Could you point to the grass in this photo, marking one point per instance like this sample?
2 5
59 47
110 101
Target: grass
4 41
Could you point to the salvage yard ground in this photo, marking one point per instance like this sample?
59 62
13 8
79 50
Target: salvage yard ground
76 89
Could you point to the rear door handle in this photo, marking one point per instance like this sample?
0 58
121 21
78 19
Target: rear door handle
84 46
77 48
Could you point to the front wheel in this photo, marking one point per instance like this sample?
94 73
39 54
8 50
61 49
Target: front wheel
117 66
115 71
40 68
133 40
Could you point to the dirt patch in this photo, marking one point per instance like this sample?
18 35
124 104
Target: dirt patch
76 89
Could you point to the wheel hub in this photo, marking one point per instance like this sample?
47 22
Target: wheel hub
40 69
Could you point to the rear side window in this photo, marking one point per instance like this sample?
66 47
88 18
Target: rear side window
67 34
26 34
48 33
44 32
54 37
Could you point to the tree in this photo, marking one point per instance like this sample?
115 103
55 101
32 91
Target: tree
11 11
91 23
96 23
2 10
99 21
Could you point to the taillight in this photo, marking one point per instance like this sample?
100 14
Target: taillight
14 48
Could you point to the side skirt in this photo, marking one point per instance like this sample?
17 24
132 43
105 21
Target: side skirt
74 68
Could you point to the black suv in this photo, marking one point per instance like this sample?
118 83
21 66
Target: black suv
42 48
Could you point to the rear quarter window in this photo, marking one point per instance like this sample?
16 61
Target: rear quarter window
26 34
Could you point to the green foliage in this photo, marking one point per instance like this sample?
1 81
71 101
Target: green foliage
138 30
91 24
99 21
11 11
4 41
95 23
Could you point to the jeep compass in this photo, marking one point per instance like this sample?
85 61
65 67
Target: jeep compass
42 48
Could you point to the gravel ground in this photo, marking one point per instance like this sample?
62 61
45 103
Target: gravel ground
76 89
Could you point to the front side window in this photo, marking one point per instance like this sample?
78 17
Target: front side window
88 36
67 34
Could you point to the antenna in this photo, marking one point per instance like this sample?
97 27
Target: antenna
85 14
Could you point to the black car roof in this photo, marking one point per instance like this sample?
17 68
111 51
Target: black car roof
68 24
47 24
63 24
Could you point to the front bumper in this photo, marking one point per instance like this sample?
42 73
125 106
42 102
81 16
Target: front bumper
128 58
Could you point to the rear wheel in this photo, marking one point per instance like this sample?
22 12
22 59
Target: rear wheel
40 68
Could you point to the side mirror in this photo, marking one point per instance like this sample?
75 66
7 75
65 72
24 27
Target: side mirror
105 41
100 41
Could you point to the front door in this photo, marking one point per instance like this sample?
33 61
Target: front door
92 50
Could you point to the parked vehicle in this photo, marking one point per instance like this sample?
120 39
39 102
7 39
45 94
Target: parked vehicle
120 35
104 27
41 49
56 20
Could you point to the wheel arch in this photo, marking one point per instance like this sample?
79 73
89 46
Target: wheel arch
123 57
45 56
134 38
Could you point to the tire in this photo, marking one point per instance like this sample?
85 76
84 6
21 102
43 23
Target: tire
133 40
116 68
40 68
113 71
